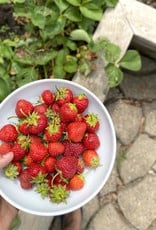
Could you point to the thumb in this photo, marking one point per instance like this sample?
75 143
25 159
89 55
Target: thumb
5 159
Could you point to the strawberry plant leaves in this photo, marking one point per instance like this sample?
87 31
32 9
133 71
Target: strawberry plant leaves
38 16
70 64
91 11
62 5
73 14
25 76
112 52
114 75
74 2
80 35
43 58
58 71
4 89
131 60
53 29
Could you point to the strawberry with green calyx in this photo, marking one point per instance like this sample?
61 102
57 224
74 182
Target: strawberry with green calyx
24 141
92 122
55 148
59 194
76 131
81 101
39 179
68 112
91 158
77 182
8 133
11 171
37 151
47 97
63 95
25 179
23 108
5 148
67 166
37 172
91 141
73 149
37 122
53 116
19 166
53 132
43 189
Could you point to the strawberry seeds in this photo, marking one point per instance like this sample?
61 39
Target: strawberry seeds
53 142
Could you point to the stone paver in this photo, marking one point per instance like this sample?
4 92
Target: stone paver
109 218
139 158
138 202
126 119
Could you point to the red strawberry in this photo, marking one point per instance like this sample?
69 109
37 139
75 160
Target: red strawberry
8 133
36 169
25 179
68 112
23 108
23 127
5 148
27 160
91 141
41 108
55 148
63 95
73 149
77 182
49 163
81 101
37 122
55 107
37 151
35 139
91 158
76 131
67 166
18 151
48 97
53 132
92 122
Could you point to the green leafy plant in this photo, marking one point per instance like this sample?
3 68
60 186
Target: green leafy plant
56 42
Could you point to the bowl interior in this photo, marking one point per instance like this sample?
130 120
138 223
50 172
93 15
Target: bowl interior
30 201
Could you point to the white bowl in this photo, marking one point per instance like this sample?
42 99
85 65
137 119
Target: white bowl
28 200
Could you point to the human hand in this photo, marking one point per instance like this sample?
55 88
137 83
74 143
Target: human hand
7 211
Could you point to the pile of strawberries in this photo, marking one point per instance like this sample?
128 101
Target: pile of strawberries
54 140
